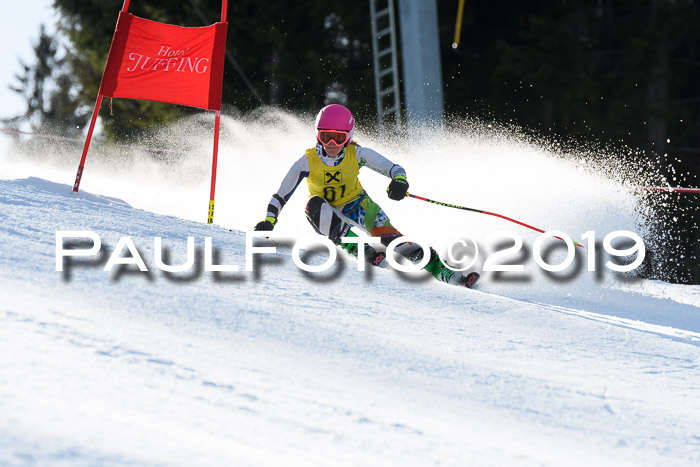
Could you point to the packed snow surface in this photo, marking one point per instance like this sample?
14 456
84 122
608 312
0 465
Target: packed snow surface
277 366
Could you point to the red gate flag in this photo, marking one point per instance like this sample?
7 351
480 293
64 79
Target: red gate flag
162 62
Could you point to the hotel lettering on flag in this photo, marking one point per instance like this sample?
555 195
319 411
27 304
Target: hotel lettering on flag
162 62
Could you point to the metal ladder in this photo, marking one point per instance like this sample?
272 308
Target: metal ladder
386 71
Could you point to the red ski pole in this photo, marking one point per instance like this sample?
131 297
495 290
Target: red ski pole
484 212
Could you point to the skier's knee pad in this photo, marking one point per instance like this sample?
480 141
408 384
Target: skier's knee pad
325 220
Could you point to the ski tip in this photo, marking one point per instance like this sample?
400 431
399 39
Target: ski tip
377 259
470 280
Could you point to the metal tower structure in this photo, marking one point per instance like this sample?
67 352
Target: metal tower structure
386 70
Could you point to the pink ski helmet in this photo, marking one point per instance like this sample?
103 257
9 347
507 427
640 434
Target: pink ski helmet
336 118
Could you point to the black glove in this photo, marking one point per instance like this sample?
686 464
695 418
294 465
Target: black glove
267 224
397 188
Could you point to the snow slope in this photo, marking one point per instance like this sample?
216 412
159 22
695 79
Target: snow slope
278 366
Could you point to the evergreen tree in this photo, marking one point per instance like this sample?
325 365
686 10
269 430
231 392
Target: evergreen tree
50 91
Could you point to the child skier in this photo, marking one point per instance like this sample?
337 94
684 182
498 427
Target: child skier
337 200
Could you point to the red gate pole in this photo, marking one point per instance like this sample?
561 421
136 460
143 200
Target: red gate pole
210 218
79 175
217 124
95 112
